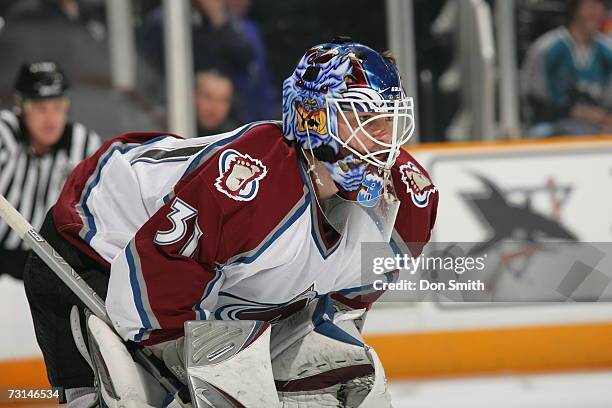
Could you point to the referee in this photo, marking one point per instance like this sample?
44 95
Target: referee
39 147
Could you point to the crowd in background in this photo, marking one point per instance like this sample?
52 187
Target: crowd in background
252 44
243 49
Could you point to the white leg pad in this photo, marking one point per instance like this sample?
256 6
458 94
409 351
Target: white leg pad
228 364
329 365
128 386
379 392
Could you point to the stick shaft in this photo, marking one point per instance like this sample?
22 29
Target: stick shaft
84 292
53 259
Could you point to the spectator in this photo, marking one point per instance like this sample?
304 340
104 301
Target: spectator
213 101
566 77
38 149
217 39
256 94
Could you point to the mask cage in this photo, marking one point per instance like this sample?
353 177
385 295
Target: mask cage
377 129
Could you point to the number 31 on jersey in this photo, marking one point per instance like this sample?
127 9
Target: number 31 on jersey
180 214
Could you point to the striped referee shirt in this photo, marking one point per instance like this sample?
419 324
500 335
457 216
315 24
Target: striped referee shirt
32 183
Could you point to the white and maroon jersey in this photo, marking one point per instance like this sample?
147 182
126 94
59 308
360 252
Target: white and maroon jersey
219 227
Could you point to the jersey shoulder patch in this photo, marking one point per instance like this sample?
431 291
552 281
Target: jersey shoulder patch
239 175
415 180
241 167
256 181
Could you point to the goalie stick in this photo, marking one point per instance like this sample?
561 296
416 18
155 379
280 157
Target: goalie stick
85 293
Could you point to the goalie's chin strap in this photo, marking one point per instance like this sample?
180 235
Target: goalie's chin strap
311 163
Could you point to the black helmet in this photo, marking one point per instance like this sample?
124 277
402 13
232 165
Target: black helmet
39 80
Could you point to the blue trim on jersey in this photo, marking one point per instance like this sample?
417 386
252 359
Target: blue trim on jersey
296 215
218 270
323 319
140 334
209 287
390 276
348 291
394 246
279 231
252 335
136 293
168 197
122 148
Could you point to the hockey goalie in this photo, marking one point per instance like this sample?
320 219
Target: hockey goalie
235 258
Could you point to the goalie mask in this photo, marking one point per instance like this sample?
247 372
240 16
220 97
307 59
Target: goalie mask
344 102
